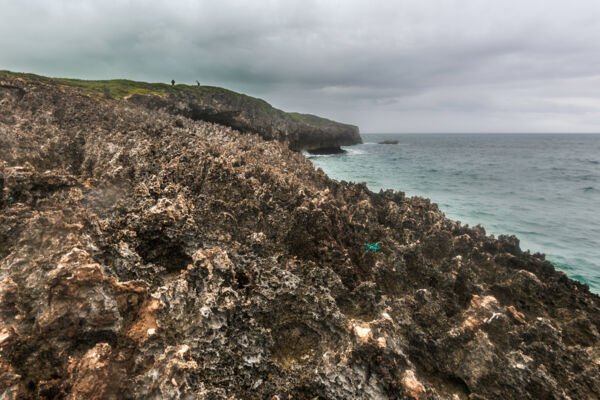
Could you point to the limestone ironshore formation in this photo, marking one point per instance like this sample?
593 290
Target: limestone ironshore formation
147 255
246 114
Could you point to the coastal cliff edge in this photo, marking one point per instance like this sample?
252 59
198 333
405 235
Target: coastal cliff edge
147 254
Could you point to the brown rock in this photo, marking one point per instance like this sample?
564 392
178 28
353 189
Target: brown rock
141 257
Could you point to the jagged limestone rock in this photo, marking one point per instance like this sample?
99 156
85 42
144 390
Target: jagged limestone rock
147 255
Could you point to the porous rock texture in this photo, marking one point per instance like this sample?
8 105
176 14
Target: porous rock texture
247 114
146 255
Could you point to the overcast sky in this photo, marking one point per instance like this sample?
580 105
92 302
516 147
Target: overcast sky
387 66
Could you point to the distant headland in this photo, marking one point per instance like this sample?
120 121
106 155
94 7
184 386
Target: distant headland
215 104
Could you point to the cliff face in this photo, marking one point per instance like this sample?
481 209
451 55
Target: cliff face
225 107
247 114
144 255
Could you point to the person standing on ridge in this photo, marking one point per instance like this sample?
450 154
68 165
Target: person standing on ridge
172 82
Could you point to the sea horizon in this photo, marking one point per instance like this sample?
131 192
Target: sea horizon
479 133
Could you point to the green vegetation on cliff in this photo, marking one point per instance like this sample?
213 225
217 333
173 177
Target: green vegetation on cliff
123 88
215 104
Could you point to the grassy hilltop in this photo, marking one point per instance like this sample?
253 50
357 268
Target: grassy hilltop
215 104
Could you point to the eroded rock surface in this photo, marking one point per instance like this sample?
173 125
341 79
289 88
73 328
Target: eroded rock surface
146 255
247 114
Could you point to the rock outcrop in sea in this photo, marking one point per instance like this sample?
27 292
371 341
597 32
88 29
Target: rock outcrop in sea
149 255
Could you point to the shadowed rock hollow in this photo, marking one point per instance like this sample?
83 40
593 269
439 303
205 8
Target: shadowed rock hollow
147 255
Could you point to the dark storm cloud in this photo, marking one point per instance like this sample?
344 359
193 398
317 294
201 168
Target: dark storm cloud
431 65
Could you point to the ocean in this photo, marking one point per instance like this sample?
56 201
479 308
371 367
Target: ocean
543 188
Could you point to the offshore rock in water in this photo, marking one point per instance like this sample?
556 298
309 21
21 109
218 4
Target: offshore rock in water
388 142
146 256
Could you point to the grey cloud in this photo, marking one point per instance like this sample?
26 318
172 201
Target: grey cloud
432 65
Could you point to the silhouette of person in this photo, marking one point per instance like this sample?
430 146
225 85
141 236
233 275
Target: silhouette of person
172 82
197 83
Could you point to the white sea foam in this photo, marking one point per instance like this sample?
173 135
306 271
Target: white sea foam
351 152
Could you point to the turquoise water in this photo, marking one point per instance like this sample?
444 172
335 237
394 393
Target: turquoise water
545 189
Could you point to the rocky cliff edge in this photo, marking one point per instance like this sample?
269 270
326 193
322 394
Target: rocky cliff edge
150 256
222 106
